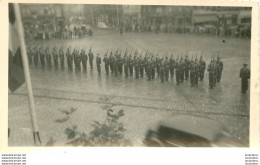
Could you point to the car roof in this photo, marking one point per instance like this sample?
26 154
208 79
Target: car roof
203 127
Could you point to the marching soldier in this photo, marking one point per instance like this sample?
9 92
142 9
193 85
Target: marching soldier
42 57
55 57
220 68
111 62
172 65
106 62
84 59
126 64
162 70
48 57
136 66
244 76
91 57
61 55
186 67
98 62
145 61
202 66
212 72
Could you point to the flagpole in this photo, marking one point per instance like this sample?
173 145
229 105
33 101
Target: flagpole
36 134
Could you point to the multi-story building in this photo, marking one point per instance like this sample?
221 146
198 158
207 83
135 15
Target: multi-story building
167 18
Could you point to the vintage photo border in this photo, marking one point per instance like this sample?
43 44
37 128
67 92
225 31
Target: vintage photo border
254 88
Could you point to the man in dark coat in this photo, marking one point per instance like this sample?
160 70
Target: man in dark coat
244 76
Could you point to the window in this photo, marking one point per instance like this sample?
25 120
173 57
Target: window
159 10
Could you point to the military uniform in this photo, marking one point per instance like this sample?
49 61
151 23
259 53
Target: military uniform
244 76
120 64
55 57
153 67
182 68
162 70
69 59
178 72
90 57
126 65
172 65
42 57
106 62
35 57
212 74
48 57
98 62
186 68
61 55
196 72
141 63
158 62
220 68
148 67
111 61
192 68
136 66
202 66
115 64
167 68
131 63
29 55
84 60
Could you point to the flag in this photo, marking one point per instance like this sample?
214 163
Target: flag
15 69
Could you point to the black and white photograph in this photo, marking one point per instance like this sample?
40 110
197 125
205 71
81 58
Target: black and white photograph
129 75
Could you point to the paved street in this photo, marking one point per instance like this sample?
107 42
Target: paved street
144 102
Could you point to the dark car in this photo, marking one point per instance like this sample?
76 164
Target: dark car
189 131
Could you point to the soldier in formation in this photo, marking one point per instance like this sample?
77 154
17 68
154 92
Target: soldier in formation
192 70
98 62
61 56
91 57
106 62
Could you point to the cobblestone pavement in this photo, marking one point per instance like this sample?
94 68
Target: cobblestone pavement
144 102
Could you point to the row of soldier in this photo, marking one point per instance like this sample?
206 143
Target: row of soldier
192 70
